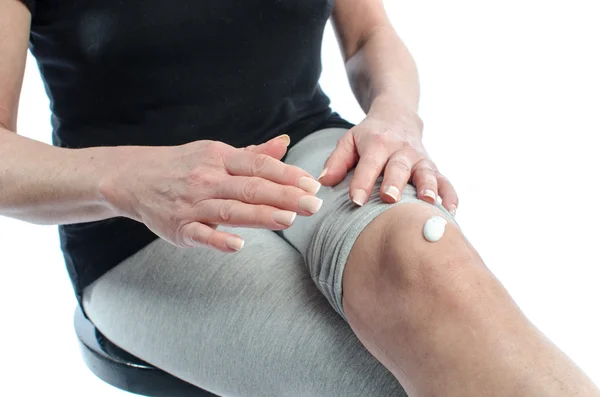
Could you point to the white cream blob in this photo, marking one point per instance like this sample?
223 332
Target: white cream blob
434 228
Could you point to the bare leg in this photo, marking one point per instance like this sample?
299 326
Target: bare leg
432 313
438 319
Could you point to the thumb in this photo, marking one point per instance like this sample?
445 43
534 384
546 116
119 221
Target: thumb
340 161
276 147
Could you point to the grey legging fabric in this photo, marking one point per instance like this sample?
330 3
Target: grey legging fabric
264 322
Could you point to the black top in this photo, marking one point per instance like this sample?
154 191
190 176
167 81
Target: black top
155 72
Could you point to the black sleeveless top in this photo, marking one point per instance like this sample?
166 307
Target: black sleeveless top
155 72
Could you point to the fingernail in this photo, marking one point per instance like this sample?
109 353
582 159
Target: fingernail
285 138
322 174
438 200
235 243
431 195
393 192
311 204
309 185
453 210
285 218
359 197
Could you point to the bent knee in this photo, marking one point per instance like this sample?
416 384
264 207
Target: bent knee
392 261
409 257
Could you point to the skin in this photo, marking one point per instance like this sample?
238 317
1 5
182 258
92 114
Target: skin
384 78
440 321
432 314
210 183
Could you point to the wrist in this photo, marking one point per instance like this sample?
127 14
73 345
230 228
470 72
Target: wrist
110 187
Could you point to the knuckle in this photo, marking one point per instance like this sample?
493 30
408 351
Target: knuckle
215 146
196 237
419 123
290 173
259 163
401 163
200 177
290 192
425 168
194 176
422 164
250 190
215 153
179 214
226 210
427 165
184 235
212 240
381 139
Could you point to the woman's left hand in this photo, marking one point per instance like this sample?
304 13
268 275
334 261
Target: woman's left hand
388 140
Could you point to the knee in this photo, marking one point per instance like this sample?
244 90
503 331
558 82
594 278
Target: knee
409 261
392 267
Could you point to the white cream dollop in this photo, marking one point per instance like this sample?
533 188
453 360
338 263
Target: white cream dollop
434 228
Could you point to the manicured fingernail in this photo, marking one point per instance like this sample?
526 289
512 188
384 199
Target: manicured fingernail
285 218
430 194
322 174
285 138
393 192
311 204
453 210
438 200
309 185
359 197
235 243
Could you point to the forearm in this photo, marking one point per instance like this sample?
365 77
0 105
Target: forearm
43 184
382 70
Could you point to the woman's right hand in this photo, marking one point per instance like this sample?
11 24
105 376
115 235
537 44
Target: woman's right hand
182 193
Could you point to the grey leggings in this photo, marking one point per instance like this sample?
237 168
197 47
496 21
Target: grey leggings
264 322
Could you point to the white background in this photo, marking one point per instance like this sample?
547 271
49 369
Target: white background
511 98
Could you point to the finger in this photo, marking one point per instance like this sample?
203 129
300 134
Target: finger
425 180
396 176
236 213
448 194
195 234
254 190
340 161
276 147
367 171
246 163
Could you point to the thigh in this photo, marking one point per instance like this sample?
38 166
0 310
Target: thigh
245 324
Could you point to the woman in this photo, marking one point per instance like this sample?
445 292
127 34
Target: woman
168 120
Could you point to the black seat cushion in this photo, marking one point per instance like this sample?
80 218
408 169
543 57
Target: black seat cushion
124 371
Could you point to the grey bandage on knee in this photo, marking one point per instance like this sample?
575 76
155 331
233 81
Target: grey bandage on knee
326 238
336 233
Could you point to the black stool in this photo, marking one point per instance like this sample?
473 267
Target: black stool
124 371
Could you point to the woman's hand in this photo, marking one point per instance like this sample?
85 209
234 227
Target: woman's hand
388 141
182 193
